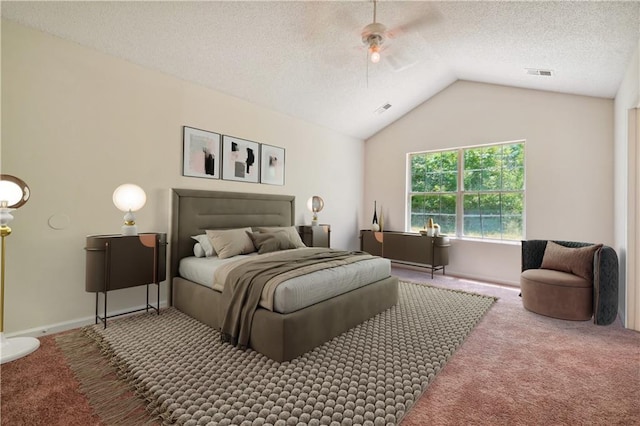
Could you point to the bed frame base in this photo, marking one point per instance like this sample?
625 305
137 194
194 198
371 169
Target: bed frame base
283 337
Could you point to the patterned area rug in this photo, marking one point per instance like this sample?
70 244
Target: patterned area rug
369 375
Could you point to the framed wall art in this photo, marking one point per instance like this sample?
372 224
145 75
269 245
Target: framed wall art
271 165
201 153
240 159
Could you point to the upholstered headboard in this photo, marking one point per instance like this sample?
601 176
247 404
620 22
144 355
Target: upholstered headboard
194 211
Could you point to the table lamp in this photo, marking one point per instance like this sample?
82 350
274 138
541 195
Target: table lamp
129 198
315 204
14 193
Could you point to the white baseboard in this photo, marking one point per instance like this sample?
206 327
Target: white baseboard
456 274
70 325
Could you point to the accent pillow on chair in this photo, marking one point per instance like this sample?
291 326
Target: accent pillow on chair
577 261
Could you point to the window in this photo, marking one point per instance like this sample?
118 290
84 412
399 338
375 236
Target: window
475 192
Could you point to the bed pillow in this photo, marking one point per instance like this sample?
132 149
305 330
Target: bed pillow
198 251
205 246
266 242
577 261
231 242
290 231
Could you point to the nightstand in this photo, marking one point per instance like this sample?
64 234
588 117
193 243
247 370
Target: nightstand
315 236
118 261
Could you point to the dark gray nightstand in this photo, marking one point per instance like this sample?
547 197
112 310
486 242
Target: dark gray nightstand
315 236
118 261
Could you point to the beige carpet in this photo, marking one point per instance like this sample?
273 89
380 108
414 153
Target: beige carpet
370 375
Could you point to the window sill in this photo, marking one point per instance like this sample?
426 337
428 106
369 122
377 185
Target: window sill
486 241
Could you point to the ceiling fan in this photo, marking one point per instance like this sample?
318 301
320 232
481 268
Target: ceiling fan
376 34
373 36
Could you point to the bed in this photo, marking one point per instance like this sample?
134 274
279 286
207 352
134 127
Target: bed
279 336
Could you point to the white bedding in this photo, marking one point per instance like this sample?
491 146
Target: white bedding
299 292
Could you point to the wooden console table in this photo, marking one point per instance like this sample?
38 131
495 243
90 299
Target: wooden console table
408 248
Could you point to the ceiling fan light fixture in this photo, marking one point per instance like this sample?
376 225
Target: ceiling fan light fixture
375 53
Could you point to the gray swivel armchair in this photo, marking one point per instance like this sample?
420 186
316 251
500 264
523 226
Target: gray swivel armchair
565 295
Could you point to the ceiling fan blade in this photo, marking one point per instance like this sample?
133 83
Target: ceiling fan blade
427 16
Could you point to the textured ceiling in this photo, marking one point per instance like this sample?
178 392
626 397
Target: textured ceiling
305 59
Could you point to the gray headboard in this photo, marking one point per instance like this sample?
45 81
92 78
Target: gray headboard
194 211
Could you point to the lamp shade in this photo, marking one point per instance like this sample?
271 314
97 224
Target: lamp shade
14 191
315 204
129 197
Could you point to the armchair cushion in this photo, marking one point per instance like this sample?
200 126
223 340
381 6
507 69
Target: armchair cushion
577 261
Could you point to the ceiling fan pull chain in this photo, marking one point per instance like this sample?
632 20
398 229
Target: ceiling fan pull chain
366 59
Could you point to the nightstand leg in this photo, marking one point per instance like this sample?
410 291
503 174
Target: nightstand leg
105 309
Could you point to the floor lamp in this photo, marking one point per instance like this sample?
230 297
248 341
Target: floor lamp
13 194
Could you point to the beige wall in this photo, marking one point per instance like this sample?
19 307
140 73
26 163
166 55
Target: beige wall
569 165
77 123
626 227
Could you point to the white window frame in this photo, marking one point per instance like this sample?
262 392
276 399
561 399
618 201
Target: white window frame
460 193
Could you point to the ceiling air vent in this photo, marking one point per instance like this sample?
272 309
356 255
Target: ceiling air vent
536 71
383 108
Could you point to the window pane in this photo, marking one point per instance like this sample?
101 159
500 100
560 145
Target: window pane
512 212
512 227
513 156
490 204
447 217
513 203
513 178
441 208
491 180
418 172
491 227
491 157
432 182
450 181
433 162
417 214
472 159
471 204
472 226
473 180
449 161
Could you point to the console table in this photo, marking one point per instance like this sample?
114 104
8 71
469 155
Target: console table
408 248
118 261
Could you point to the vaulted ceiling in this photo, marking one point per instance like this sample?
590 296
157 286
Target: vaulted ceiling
306 58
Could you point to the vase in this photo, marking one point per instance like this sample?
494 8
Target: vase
375 214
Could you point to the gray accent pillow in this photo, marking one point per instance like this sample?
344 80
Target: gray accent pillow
577 261
291 232
230 242
266 242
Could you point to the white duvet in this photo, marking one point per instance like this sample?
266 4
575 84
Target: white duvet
295 293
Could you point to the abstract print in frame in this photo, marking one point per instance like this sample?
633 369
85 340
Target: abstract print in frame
271 165
240 159
201 153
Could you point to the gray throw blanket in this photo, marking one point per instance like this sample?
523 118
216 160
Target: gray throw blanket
244 284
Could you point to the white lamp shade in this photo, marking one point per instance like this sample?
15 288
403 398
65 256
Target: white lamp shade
14 191
129 197
315 204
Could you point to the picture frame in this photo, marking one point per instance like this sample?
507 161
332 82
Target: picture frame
240 159
201 156
272 164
